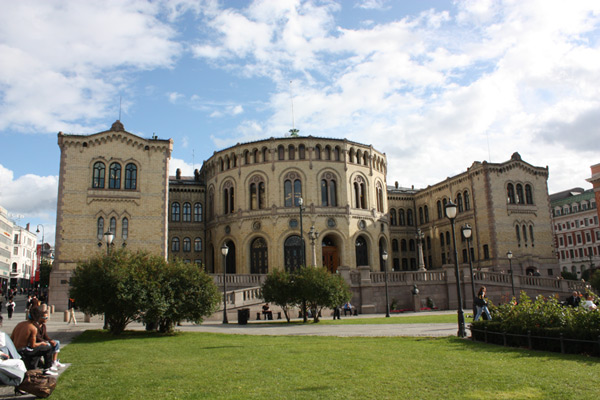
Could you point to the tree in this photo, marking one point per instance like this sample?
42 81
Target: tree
126 287
279 289
45 269
568 275
595 280
320 289
112 285
180 291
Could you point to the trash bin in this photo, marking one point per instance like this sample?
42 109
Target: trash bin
243 316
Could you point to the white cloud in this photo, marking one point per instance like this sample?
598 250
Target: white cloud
174 97
186 168
66 61
29 195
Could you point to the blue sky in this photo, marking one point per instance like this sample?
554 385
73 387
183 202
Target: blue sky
434 84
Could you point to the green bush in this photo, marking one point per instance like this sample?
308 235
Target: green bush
278 288
542 317
130 286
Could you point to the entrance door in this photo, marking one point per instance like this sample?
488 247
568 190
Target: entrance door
331 258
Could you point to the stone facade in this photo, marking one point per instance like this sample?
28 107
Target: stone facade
111 180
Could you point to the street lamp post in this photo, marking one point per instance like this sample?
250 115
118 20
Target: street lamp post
384 257
39 267
303 255
313 235
420 237
451 211
108 238
467 232
512 276
224 251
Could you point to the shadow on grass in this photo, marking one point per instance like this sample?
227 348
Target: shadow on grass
101 336
521 351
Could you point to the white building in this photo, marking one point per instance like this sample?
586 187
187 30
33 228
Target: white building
6 234
24 256
576 230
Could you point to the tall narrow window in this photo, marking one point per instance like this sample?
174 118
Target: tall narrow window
197 244
360 193
255 156
379 191
518 234
426 210
187 244
520 197
291 152
421 216
336 153
124 228
467 201
531 233
459 202
328 190
292 189
525 233
510 193
327 153
228 198
265 154
439 210
317 152
114 178
175 244
362 253
301 152
281 153
130 176
393 220
99 171
113 225
401 220
198 212
409 217
175 212
528 194
100 228
187 212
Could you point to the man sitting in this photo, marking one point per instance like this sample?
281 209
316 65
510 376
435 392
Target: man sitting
268 314
42 335
24 336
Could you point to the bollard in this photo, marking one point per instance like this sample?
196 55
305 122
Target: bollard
52 309
66 315
87 318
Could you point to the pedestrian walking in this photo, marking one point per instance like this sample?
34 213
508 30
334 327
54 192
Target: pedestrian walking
72 312
10 307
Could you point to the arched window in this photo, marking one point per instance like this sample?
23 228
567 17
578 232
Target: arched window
439 210
198 212
328 190
528 194
531 233
292 250
100 228
257 193
301 152
175 244
197 244
360 193
281 152
421 216
228 198
265 154
379 191
447 238
175 212
467 201
130 176
394 245
520 197
255 156
124 228
187 244
510 193
442 240
411 245
401 220
246 157
327 153
426 210
336 153
291 152
317 152
518 234
393 220
113 225
259 261
187 212
409 217
211 204
362 253
459 202
114 176
99 171
525 234
403 245
365 158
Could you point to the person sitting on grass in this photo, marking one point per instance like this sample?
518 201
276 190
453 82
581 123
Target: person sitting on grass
24 336
42 336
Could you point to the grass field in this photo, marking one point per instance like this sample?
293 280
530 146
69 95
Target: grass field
188 365
394 319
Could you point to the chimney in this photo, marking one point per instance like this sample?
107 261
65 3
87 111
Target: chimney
27 227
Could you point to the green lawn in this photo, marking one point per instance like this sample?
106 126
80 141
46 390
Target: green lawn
188 365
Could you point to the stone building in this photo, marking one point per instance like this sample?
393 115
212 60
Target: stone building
109 181
576 230
257 197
